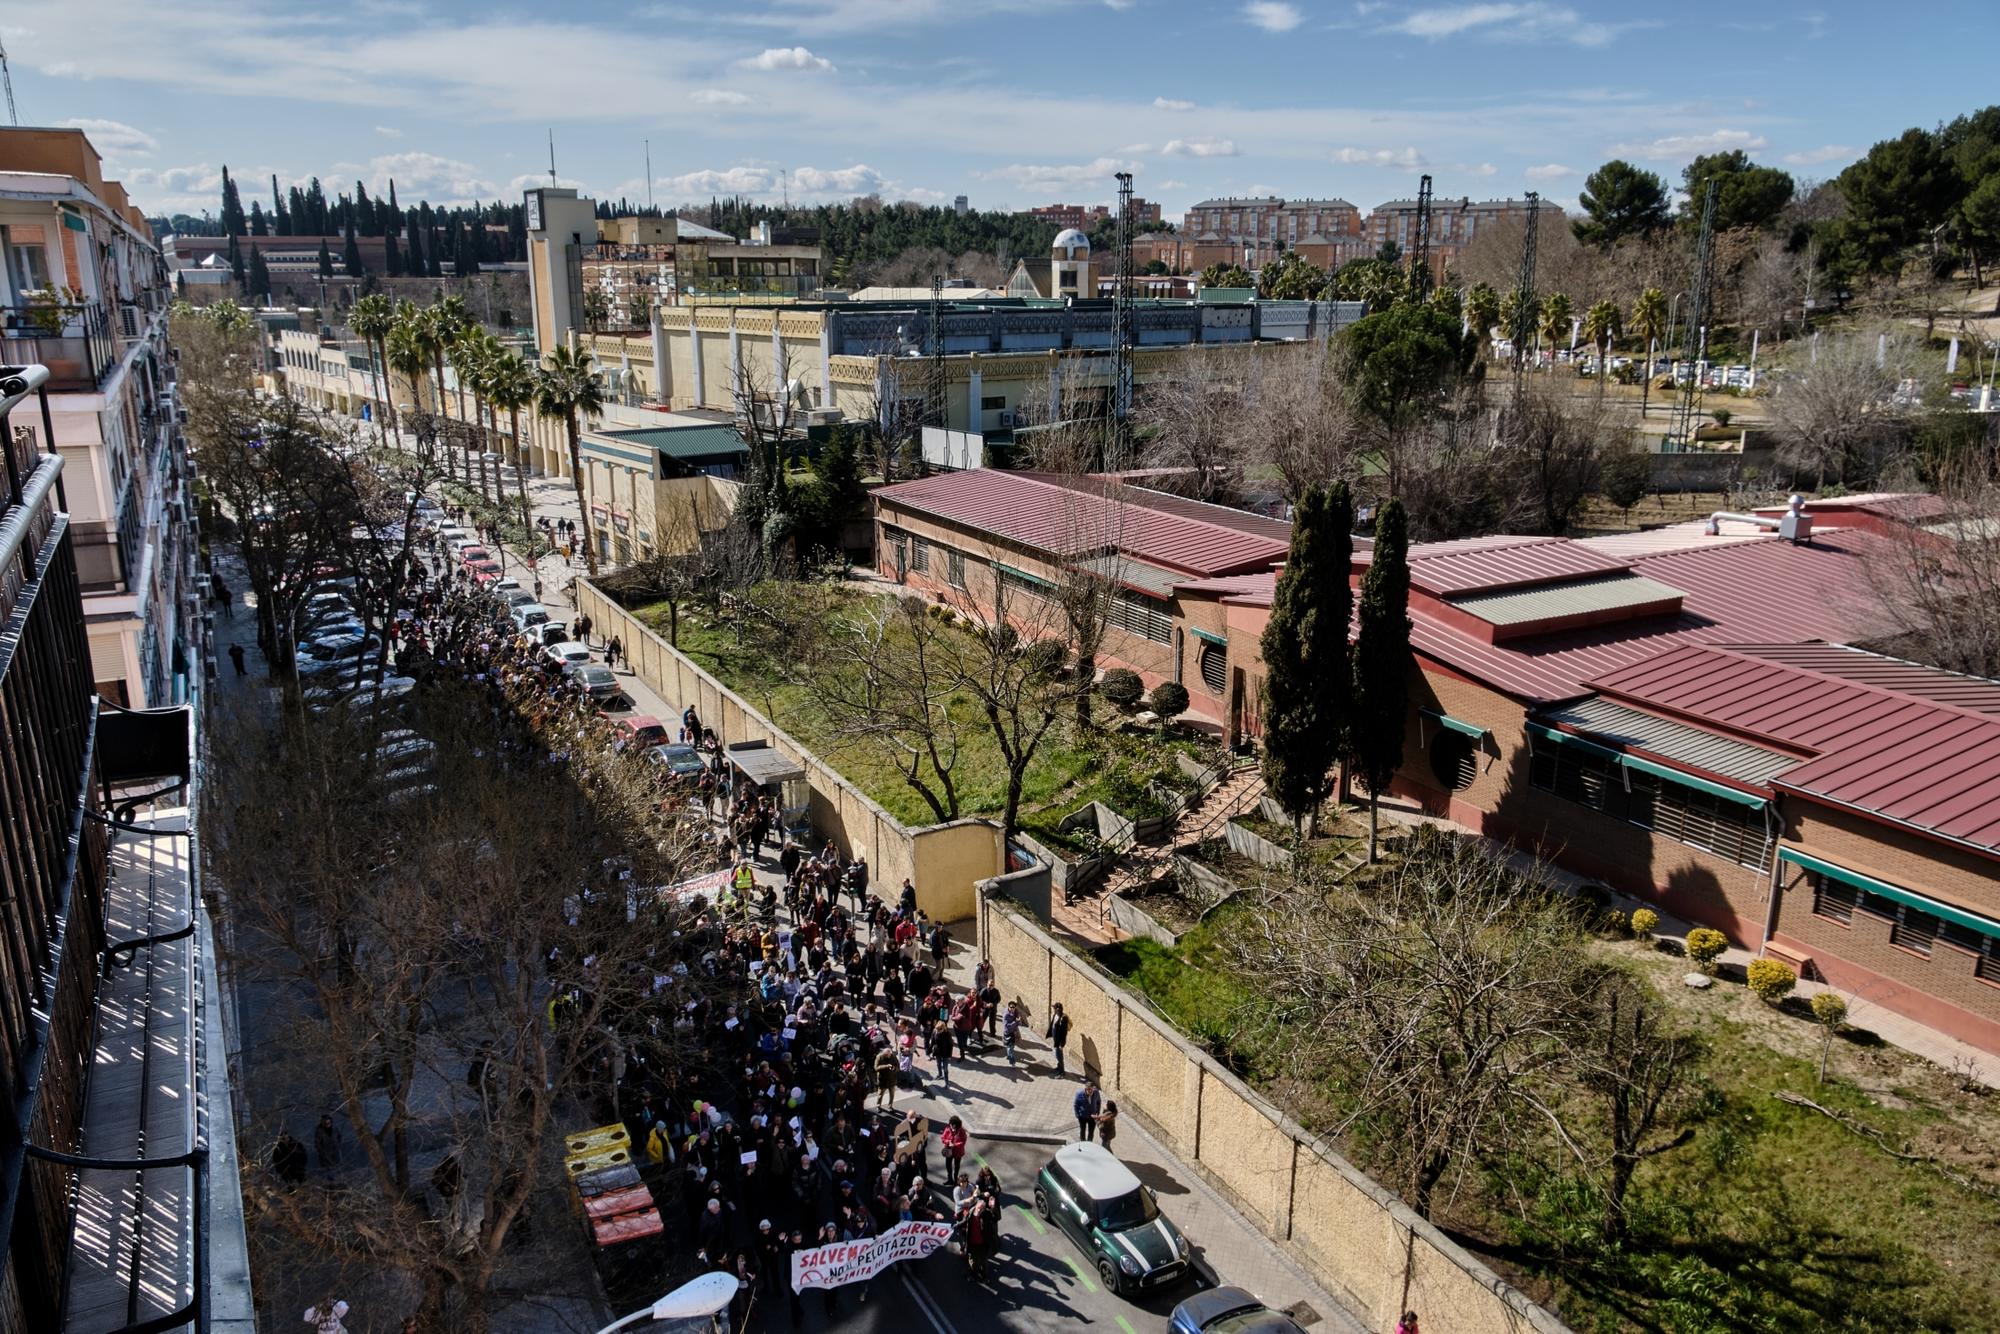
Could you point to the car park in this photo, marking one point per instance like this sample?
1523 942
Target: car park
600 684
568 652
1229 1311
529 613
1112 1217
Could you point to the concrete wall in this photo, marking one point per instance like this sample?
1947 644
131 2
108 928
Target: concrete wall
1356 1238
943 861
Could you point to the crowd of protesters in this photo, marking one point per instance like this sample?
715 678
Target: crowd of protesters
810 996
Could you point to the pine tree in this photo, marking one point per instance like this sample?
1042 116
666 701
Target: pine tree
350 253
1305 706
1382 661
233 223
325 260
260 277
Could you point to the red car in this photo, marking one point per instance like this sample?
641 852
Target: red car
467 555
642 728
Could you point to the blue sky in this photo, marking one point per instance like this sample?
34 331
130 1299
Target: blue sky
1011 102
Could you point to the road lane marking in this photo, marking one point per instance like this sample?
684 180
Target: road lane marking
1029 1214
927 1304
1089 1283
1126 1325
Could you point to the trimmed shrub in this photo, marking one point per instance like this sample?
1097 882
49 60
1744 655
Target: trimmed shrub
1121 686
1616 924
1705 945
1169 699
1644 923
1829 1009
1771 979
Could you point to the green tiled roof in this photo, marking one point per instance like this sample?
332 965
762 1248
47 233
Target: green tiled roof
684 442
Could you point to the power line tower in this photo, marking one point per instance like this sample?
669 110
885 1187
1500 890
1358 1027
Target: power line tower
1420 252
1121 331
934 406
7 77
1524 301
1689 407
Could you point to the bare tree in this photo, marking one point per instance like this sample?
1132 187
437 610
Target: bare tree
1011 662
1195 424
1842 401
1939 584
1642 1074
1297 422
1434 1002
1557 441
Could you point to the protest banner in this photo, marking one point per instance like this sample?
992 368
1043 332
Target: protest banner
858 1261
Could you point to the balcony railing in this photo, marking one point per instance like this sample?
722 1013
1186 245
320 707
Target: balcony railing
74 341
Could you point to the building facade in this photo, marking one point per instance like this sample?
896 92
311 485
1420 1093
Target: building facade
1454 224
85 293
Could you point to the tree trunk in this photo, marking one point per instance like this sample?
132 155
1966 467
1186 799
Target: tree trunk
521 478
480 436
582 506
1374 808
1086 674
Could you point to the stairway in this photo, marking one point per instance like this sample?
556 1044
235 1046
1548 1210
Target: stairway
1203 818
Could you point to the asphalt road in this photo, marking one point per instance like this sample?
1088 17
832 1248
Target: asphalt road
1040 1280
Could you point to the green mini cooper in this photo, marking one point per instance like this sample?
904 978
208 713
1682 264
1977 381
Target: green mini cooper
1113 1217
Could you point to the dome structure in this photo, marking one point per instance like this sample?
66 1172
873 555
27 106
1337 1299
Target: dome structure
1072 243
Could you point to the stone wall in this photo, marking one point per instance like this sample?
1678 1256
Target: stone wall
944 861
1357 1239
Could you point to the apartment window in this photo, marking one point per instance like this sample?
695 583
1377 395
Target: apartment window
1684 814
993 403
28 265
954 567
1834 900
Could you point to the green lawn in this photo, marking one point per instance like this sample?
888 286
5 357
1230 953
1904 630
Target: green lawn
1068 769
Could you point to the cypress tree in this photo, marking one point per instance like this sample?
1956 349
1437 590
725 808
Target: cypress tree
232 207
392 259
350 253
1305 708
257 223
236 269
260 277
364 212
392 201
433 259
1382 661
325 260
281 222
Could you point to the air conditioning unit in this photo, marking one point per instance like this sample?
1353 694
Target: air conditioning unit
1009 420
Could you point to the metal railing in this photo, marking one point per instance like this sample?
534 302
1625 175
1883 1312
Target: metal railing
74 341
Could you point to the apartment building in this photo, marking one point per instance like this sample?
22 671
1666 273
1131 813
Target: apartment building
84 292
1080 216
1454 224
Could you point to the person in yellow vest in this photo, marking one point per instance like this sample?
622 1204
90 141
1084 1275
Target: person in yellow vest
659 1145
744 883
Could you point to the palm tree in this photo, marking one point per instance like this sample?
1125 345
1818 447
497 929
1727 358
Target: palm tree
1555 318
1600 326
468 353
511 384
1482 312
567 386
371 318
1649 324
406 354
432 333
454 320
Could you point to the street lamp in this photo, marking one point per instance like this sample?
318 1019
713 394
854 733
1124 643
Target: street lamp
708 1296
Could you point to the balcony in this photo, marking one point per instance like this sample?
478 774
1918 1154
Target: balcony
74 342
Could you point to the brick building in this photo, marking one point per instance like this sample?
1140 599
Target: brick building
1671 712
1454 223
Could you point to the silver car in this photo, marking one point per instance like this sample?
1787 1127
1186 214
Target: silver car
599 683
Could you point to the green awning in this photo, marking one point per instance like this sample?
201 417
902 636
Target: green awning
1985 926
1023 574
1644 766
1221 641
1459 725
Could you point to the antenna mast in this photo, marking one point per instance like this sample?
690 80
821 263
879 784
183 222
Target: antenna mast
1420 253
7 77
1121 331
1524 301
935 410
649 173
552 155
1704 261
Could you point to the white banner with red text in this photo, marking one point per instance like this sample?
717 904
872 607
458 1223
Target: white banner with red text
857 1261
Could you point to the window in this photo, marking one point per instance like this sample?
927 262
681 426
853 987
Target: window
28 265
1452 763
1684 814
993 403
1212 661
1914 930
1146 617
920 555
1021 585
1834 899
954 568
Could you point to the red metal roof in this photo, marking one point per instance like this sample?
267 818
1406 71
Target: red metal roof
1930 765
1446 568
1064 518
1910 678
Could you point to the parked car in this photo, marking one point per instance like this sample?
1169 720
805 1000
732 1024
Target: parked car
470 552
554 632
599 683
514 597
567 652
642 728
1228 1311
424 504
390 754
393 688
679 761
331 624
507 585
529 614
1112 1217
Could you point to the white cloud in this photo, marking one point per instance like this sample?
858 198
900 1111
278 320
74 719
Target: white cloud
1171 185
112 138
1273 15
786 57
1482 169
718 97
766 182
441 180
531 180
388 132
1674 147
1058 178
1172 104
1550 171
1531 21
1409 159
1203 147
1812 157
